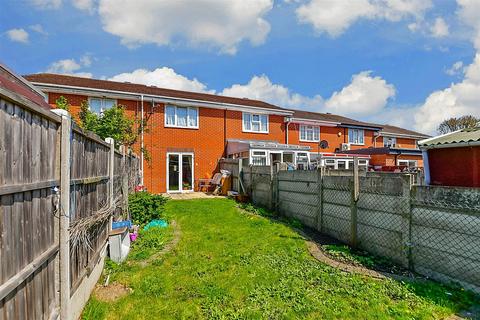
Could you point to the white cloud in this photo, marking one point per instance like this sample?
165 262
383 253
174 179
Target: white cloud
18 35
469 13
365 95
39 29
162 77
455 69
439 29
462 98
85 5
215 23
336 16
261 88
86 60
71 67
47 4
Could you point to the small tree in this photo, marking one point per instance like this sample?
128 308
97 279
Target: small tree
454 124
115 124
62 103
88 119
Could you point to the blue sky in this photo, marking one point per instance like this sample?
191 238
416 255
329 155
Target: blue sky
378 60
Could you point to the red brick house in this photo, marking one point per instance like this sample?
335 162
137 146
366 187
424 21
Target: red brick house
461 148
393 147
189 132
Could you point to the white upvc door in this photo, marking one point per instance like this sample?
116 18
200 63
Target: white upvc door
180 176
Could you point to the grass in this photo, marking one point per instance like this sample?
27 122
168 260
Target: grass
234 265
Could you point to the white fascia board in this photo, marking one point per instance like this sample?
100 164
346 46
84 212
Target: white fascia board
156 98
315 122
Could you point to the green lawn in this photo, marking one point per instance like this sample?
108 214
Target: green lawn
233 265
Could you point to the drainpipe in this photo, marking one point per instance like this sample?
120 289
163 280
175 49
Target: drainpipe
426 167
375 140
141 140
286 131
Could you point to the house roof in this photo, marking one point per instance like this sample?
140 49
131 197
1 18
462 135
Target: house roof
469 136
72 81
15 83
388 129
332 118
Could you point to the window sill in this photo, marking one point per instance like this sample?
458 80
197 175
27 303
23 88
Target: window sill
251 131
181 127
315 141
357 144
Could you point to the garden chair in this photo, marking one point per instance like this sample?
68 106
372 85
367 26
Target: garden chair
206 185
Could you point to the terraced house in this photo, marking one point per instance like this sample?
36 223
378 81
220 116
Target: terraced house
189 132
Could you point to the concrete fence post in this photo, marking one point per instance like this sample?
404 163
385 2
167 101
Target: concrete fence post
319 215
111 163
407 219
125 177
354 200
64 215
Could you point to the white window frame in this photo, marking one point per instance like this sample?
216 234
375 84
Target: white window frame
265 156
180 171
309 128
387 138
102 103
358 130
252 121
167 125
400 161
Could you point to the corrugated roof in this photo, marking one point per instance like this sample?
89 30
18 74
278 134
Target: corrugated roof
72 81
468 135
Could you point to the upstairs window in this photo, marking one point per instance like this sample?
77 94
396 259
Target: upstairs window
99 105
309 133
390 142
181 117
255 122
356 136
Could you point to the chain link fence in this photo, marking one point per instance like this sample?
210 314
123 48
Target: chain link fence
434 231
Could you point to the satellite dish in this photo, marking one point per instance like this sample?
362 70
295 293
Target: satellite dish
323 144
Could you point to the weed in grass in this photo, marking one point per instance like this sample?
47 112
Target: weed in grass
249 207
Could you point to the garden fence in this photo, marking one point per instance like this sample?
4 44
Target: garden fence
432 230
59 186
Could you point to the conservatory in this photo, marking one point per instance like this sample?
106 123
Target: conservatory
265 153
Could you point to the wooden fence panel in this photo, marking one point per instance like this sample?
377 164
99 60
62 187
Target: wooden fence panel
28 154
30 165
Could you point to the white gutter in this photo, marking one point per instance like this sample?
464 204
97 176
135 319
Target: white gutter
315 122
164 99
